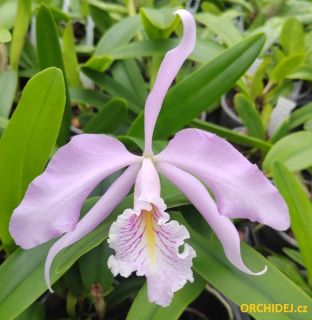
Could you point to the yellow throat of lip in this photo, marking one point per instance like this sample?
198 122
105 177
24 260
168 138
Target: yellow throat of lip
150 236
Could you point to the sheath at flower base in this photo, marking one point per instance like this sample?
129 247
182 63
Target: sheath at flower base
144 239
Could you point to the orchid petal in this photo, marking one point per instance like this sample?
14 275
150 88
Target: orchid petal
99 212
151 249
240 188
193 189
168 70
53 200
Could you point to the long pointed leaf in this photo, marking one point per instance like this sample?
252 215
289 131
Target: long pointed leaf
28 140
50 55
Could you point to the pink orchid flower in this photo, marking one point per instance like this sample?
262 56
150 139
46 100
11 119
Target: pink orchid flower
143 238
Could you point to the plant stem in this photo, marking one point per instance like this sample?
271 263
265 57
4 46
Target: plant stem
267 88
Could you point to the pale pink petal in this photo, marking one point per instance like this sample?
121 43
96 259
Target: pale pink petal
193 189
147 191
151 249
99 212
53 200
168 70
240 188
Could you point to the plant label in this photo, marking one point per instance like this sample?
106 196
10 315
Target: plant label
254 67
281 112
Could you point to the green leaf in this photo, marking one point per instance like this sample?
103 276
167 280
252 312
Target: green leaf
118 35
19 32
256 85
302 72
108 7
50 55
128 74
58 14
271 287
93 98
70 57
27 142
286 66
99 64
8 12
204 51
300 210
190 97
196 221
8 86
294 151
74 284
35 311
277 55
280 132
292 37
245 4
266 115
210 8
29 58
124 290
142 309
159 24
93 267
302 10
5 36
291 271
3 124
300 116
249 115
84 118
134 143
109 117
115 89
230 135
308 125
282 89
22 279
295 255
221 27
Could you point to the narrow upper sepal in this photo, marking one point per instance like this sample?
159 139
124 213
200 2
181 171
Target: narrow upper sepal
169 68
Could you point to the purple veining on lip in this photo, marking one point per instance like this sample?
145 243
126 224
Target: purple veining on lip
128 237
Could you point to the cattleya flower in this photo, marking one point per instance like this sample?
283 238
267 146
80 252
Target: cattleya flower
144 239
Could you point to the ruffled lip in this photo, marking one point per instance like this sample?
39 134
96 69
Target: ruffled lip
144 243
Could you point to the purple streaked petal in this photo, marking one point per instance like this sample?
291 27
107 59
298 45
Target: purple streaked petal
193 189
99 212
151 249
240 188
168 70
53 200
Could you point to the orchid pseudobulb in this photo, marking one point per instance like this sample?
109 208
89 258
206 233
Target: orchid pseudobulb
143 238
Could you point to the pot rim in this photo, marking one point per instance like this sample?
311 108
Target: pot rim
229 111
